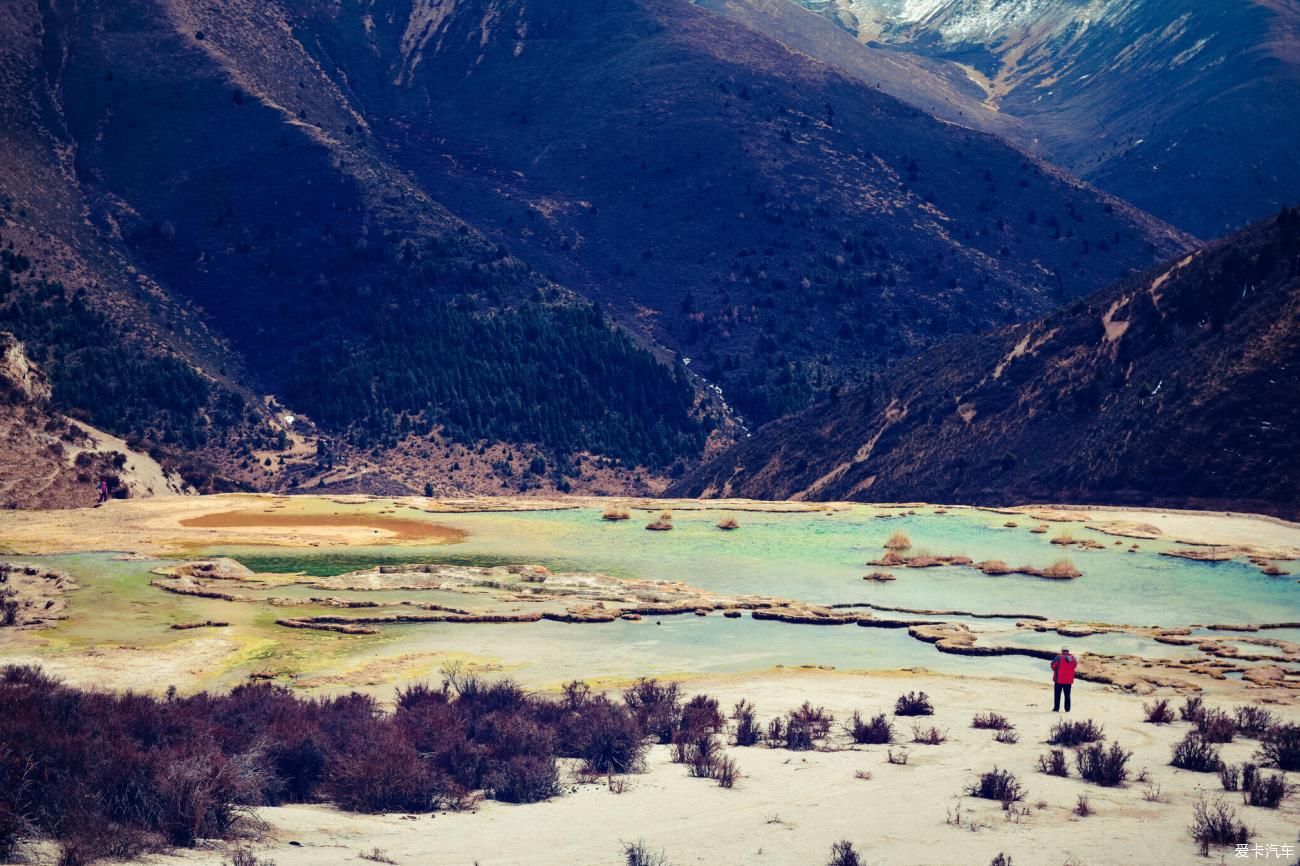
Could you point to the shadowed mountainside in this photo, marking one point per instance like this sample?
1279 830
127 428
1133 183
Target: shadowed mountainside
387 222
1176 387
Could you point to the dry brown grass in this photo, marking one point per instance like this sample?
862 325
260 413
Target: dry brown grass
663 524
612 513
923 559
898 541
729 523
994 566
1064 537
1062 569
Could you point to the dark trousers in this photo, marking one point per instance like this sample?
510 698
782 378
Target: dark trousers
1058 690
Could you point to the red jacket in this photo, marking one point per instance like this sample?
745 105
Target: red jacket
1063 669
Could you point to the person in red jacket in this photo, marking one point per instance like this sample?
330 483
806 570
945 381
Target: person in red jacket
1063 678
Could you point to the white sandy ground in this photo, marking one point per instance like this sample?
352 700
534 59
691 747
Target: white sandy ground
790 807
1231 528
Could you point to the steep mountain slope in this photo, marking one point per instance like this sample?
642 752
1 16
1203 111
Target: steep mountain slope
1190 111
225 214
1175 387
778 222
391 218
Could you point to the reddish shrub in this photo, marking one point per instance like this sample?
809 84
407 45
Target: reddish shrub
657 707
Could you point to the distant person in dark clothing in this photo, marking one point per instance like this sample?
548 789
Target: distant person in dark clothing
1063 678
103 490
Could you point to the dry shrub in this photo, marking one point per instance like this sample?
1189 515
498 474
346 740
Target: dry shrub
246 857
613 513
748 732
1082 807
1280 747
990 722
994 567
1063 537
726 772
913 704
1102 766
656 707
1075 733
899 758
1216 823
930 736
701 754
805 727
728 523
1007 735
1266 791
1195 753
1254 721
701 714
1054 763
877 731
1191 709
1230 776
1216 726
1158 712
637 854
385 773
843 854
120 775
999 785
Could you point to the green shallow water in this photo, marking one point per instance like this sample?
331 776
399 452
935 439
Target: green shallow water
821 558
815 557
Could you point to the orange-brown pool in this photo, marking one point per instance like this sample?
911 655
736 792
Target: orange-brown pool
404 528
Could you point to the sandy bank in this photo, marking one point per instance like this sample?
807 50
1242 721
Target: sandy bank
789 807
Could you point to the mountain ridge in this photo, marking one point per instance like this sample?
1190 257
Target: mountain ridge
1168 389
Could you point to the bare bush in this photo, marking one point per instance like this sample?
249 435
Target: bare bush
1159 712
843 854
930 736
1102 766
1266 791
637 854
913 704
1280 747
1216 823
1191 709
999 785
878 730
1054 763
1075 733
748 732
1216 726
1195 753
1254 721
